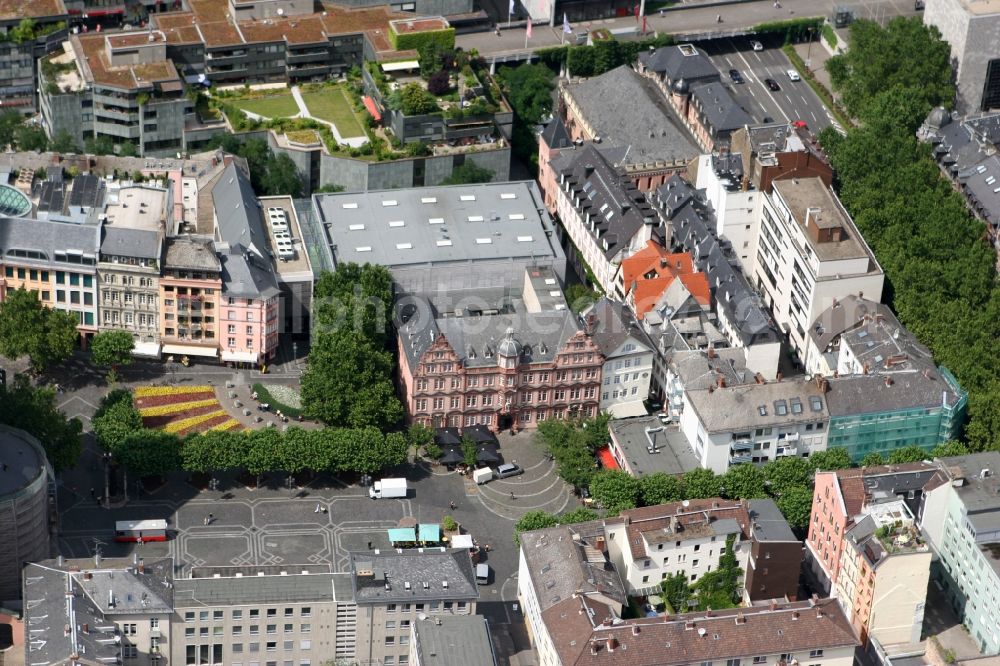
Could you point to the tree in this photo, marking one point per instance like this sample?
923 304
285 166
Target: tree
468 174
281 177
719 588
907 454
420 436
24 31
439 83
101 145
580 514
34 411
64 143
660 488
128 149
9 122
355 296
112 349
30 137
872 460
744 482
528 88
950 448
468 451
795 504
580 297
701 483
533 520
115 420
831 459
572 443
677 592
349 382
149 453
787 472
415 101
615 490
29 328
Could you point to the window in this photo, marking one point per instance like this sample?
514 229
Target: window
218 615
203 631
238 630
813 654
254 629
189 616
189 632
130 651
732 662
289 628
288 645
203 616
390 640
237 648
272 646
305 645
305 628
272 628
254 612
237 614
760 660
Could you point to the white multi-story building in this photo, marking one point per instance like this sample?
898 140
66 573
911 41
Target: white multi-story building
628 357
756 422
809 254
737 208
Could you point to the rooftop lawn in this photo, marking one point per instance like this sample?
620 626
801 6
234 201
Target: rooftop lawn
333 106
272 106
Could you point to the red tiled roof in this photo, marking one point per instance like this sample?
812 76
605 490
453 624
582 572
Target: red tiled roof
668 640
653 269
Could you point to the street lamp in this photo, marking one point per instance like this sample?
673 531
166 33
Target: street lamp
289 482
809 48
213 484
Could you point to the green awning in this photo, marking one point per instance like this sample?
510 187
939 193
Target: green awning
402 534
430 532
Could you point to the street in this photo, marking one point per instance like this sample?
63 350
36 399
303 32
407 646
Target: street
795 101
688 19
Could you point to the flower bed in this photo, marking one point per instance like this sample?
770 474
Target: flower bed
217 422
231 424
193 421
281 398
156 401
166 419
163 410
150 391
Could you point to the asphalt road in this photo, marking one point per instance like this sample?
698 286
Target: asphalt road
688 20
795 101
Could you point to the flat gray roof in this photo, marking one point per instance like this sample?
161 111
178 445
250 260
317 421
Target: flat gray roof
802 194
454 640
293 588
438 225
426 574
759 405
22 458
634 436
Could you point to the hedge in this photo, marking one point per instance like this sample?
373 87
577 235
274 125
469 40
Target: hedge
793 28
830 35
445 39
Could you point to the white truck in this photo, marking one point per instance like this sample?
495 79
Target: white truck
388 488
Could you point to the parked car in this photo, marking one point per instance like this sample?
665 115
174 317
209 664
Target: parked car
772 84
735 75
768 120
793 75
800 124
507 470
756 46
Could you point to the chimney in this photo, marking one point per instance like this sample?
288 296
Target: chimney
612 644
813 600
888 381
758 378
795 615
740 618
593 648
635 630
711 351
599 544
86 628
721 382
778 376
773 605
663 262
689 625
97 559
819 613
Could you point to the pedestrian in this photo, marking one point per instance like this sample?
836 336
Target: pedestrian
317 508
205 521
487 548
139 540
512 495
211 519
93 493
324 510
452 505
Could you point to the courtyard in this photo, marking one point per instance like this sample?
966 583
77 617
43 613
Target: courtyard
271 106
332 105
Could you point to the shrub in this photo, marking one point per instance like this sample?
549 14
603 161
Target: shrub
445 39
439 83
449 524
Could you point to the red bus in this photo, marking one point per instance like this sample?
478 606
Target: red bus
136 530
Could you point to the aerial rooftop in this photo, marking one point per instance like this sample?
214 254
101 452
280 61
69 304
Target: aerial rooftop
413 575
437 225
812 203
649 446
760 405
15 10
23 460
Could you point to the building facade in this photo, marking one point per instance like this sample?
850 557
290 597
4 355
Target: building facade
395 589
970 27
482 371
809 254
628 357
190 289
959 517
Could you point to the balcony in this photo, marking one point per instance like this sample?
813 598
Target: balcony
741 445
738 458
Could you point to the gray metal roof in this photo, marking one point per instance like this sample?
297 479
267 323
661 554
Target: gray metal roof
555 134
40 239
438 225
139 243
696 370
722 113
110 589
870 394
392 576
635 436
246 275
614 324
561 566
52 196
87 191
980 494
680 61
453 640
751 406
476 339
192 253
768 523
252 589
627 110
618 210
693 226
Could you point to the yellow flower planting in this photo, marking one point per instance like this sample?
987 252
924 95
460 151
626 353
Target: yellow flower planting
156 391
231 424
177 426
176 407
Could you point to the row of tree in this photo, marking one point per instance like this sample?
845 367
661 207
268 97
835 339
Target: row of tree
940 269
33 409
349 379
144 452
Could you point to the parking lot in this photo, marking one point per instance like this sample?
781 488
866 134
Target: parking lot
794 101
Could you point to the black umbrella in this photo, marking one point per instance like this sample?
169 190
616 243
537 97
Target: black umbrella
452 456
487 453
447 436
481 434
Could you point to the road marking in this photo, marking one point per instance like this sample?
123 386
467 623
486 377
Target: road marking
804 101
766 91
